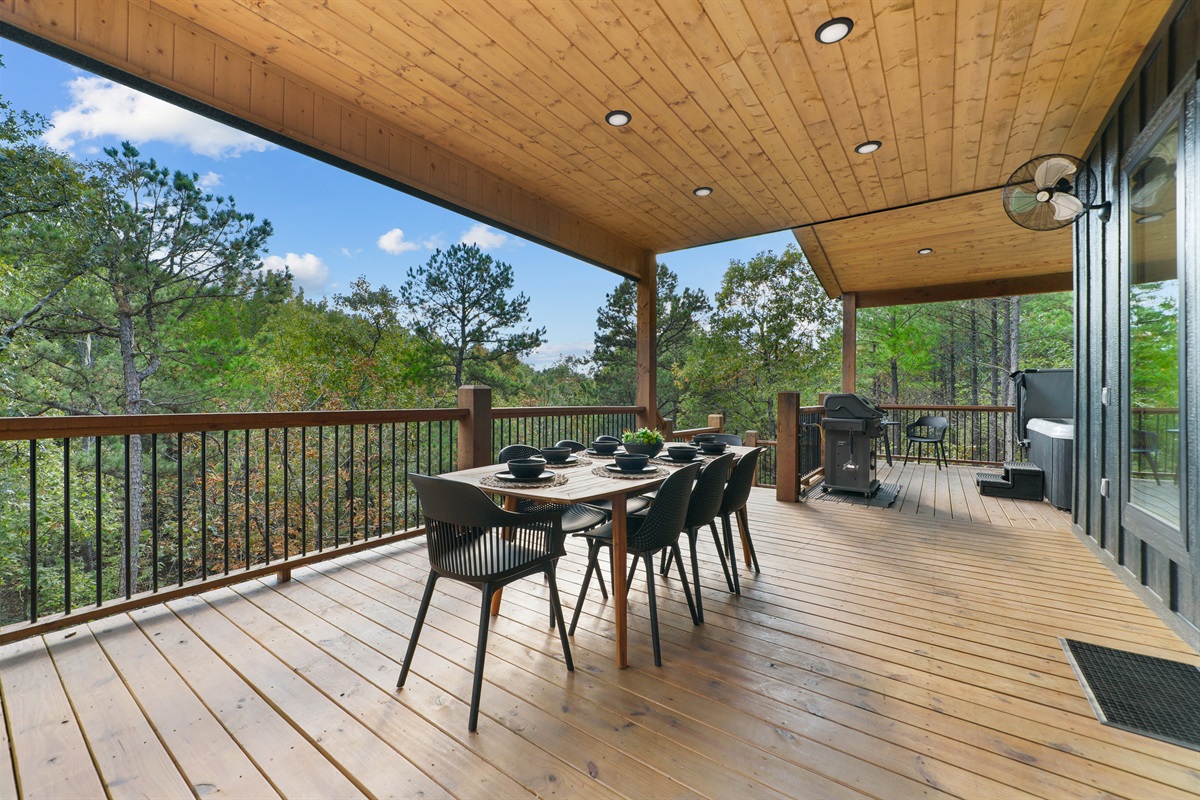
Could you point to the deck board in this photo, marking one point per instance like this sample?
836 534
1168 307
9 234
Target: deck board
881 653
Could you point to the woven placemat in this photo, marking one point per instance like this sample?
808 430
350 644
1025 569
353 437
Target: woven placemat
579 461
600 455
699 459
659 472
492 482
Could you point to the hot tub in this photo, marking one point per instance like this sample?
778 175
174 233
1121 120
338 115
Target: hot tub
1052 447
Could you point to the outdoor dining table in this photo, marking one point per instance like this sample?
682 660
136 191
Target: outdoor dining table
583 486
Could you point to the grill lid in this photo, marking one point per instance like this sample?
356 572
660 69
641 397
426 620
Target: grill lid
850 406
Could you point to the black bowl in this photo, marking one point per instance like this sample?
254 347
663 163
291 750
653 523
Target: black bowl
632 462
648 450
605 448
682 452
556 455
712 448
526 469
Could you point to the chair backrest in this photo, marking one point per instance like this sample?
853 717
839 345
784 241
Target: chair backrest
737 491
571 443
728 438
471 539
665 519
708 492
512 451
606 438
935 427
1144 441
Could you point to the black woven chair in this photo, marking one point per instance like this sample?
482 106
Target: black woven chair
1145 444
658 530
728 438
571 443
927 430
703 508
471 540
737 494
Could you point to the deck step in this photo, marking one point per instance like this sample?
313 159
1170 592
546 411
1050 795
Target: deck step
1020 480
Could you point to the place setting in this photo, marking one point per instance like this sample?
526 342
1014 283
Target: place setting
562 458
703 451
630 466
604 447
524 473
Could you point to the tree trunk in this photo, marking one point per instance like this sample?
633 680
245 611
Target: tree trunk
1012 341
973 346
130 544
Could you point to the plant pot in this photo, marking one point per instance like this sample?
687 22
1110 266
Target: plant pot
650 450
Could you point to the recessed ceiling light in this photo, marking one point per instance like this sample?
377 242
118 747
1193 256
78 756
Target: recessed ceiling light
618 118
1146 220
835 30
702 191
868 147
924 251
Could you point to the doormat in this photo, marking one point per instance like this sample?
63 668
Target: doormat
1143 694
887 494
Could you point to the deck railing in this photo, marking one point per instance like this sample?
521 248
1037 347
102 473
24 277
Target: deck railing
1156 431
107 514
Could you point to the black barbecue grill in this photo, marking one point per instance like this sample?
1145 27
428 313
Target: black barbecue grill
852 424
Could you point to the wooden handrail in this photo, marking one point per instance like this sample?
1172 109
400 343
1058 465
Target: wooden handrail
514 412
25 428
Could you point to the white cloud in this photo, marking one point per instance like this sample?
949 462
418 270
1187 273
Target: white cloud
100 108
308 270
549 354
208 181
393 243
348 253
485 237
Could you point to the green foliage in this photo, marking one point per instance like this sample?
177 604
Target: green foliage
642 436
680 316
459 304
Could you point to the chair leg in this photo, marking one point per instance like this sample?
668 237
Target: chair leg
727 529
721 554
743 520
556 608
416 631
485 616
687 592
653 610
599 574
907 449
633 569
698 617
1153 467
593 566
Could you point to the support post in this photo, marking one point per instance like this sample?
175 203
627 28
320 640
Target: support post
475 431
717 421
668 429
787 450
849 341
647 344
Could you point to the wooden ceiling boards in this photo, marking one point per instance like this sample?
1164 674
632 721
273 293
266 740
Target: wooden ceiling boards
496 107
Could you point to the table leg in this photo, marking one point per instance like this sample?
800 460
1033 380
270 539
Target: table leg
619 544
510 504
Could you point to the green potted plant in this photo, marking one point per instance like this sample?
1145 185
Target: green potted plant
643 440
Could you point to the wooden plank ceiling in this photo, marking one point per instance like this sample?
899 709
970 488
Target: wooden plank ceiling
497 106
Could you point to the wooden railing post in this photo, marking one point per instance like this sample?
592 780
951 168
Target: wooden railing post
475 430
787 478
717 421
750 438
668 429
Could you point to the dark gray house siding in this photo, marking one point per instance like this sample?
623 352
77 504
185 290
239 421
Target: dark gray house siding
1162 561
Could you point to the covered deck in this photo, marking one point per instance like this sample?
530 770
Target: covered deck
877 655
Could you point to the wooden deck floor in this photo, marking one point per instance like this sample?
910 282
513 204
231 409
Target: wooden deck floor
877 655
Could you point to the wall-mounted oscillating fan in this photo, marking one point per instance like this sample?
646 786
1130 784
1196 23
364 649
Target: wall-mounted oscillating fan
1050 192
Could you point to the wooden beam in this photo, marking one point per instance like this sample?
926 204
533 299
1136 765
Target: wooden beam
787 451
475 430
1002 287
810 245
849 341
647 342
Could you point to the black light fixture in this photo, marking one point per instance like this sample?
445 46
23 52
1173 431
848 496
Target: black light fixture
924 251
702 191
618 118
834 30
868 147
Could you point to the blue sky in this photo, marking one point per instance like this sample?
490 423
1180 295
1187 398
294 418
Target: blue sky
330 226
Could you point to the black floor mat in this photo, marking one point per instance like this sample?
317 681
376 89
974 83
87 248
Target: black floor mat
887 494
1143 694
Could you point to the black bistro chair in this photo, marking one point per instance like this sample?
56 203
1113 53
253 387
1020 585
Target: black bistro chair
471 540
655 532
1145 444
737 494
703 508
927 430
731 439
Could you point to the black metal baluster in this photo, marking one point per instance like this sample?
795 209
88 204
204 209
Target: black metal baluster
286 464
154 508
225 495
179 502
320 488
337 480
407 524
266 500
33 553
66 525
128 527
379 505
350 487
393 477
204 505
417 443
246 496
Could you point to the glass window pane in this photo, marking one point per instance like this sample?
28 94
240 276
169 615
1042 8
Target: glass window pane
1153 433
